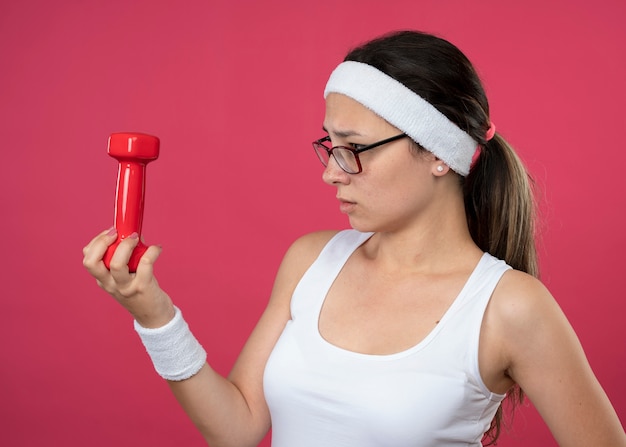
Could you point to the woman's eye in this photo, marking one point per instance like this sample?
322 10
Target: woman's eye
356 147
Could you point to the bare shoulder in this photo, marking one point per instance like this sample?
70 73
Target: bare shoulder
298 258
314 241
525 312
520 310
521 299
543 355
304 250
247 373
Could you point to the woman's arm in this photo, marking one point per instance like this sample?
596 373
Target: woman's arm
227 411
546 359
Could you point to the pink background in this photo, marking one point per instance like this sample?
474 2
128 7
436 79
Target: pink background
233 89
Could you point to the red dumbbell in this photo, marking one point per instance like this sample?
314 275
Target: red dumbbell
133 151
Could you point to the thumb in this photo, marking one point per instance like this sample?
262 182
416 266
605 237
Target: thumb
145 269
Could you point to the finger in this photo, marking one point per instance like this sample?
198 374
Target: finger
119 261
145 269
91 243
94 251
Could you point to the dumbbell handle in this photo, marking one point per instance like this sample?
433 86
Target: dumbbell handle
134 152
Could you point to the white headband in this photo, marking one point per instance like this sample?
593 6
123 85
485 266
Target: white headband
406 110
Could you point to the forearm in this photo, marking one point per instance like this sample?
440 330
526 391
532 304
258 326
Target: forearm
228 412
215 404
220 411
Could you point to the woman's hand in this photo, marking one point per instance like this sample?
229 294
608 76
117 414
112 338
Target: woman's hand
138 292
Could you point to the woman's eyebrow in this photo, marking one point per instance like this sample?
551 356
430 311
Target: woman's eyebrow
343 133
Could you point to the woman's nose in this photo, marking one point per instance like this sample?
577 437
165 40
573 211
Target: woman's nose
334 174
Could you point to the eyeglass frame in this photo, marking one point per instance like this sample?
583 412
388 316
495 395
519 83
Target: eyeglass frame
355 152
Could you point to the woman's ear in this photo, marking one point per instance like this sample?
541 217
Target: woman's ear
439 168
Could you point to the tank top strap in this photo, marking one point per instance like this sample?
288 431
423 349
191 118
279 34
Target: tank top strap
464 319
311 291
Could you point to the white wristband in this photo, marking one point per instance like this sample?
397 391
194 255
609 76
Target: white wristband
175 352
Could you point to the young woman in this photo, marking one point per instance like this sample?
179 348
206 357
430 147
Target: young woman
410 328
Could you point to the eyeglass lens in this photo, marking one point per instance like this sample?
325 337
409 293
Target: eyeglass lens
344 157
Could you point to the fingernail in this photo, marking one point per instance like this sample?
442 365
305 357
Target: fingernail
133 236
111 231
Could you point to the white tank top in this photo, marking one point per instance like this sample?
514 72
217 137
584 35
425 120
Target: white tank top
320 395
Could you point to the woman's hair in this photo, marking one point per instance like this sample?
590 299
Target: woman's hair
498 192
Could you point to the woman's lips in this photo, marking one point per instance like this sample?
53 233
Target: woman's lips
345 206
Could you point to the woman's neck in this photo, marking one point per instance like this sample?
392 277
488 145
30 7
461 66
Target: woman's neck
435 243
